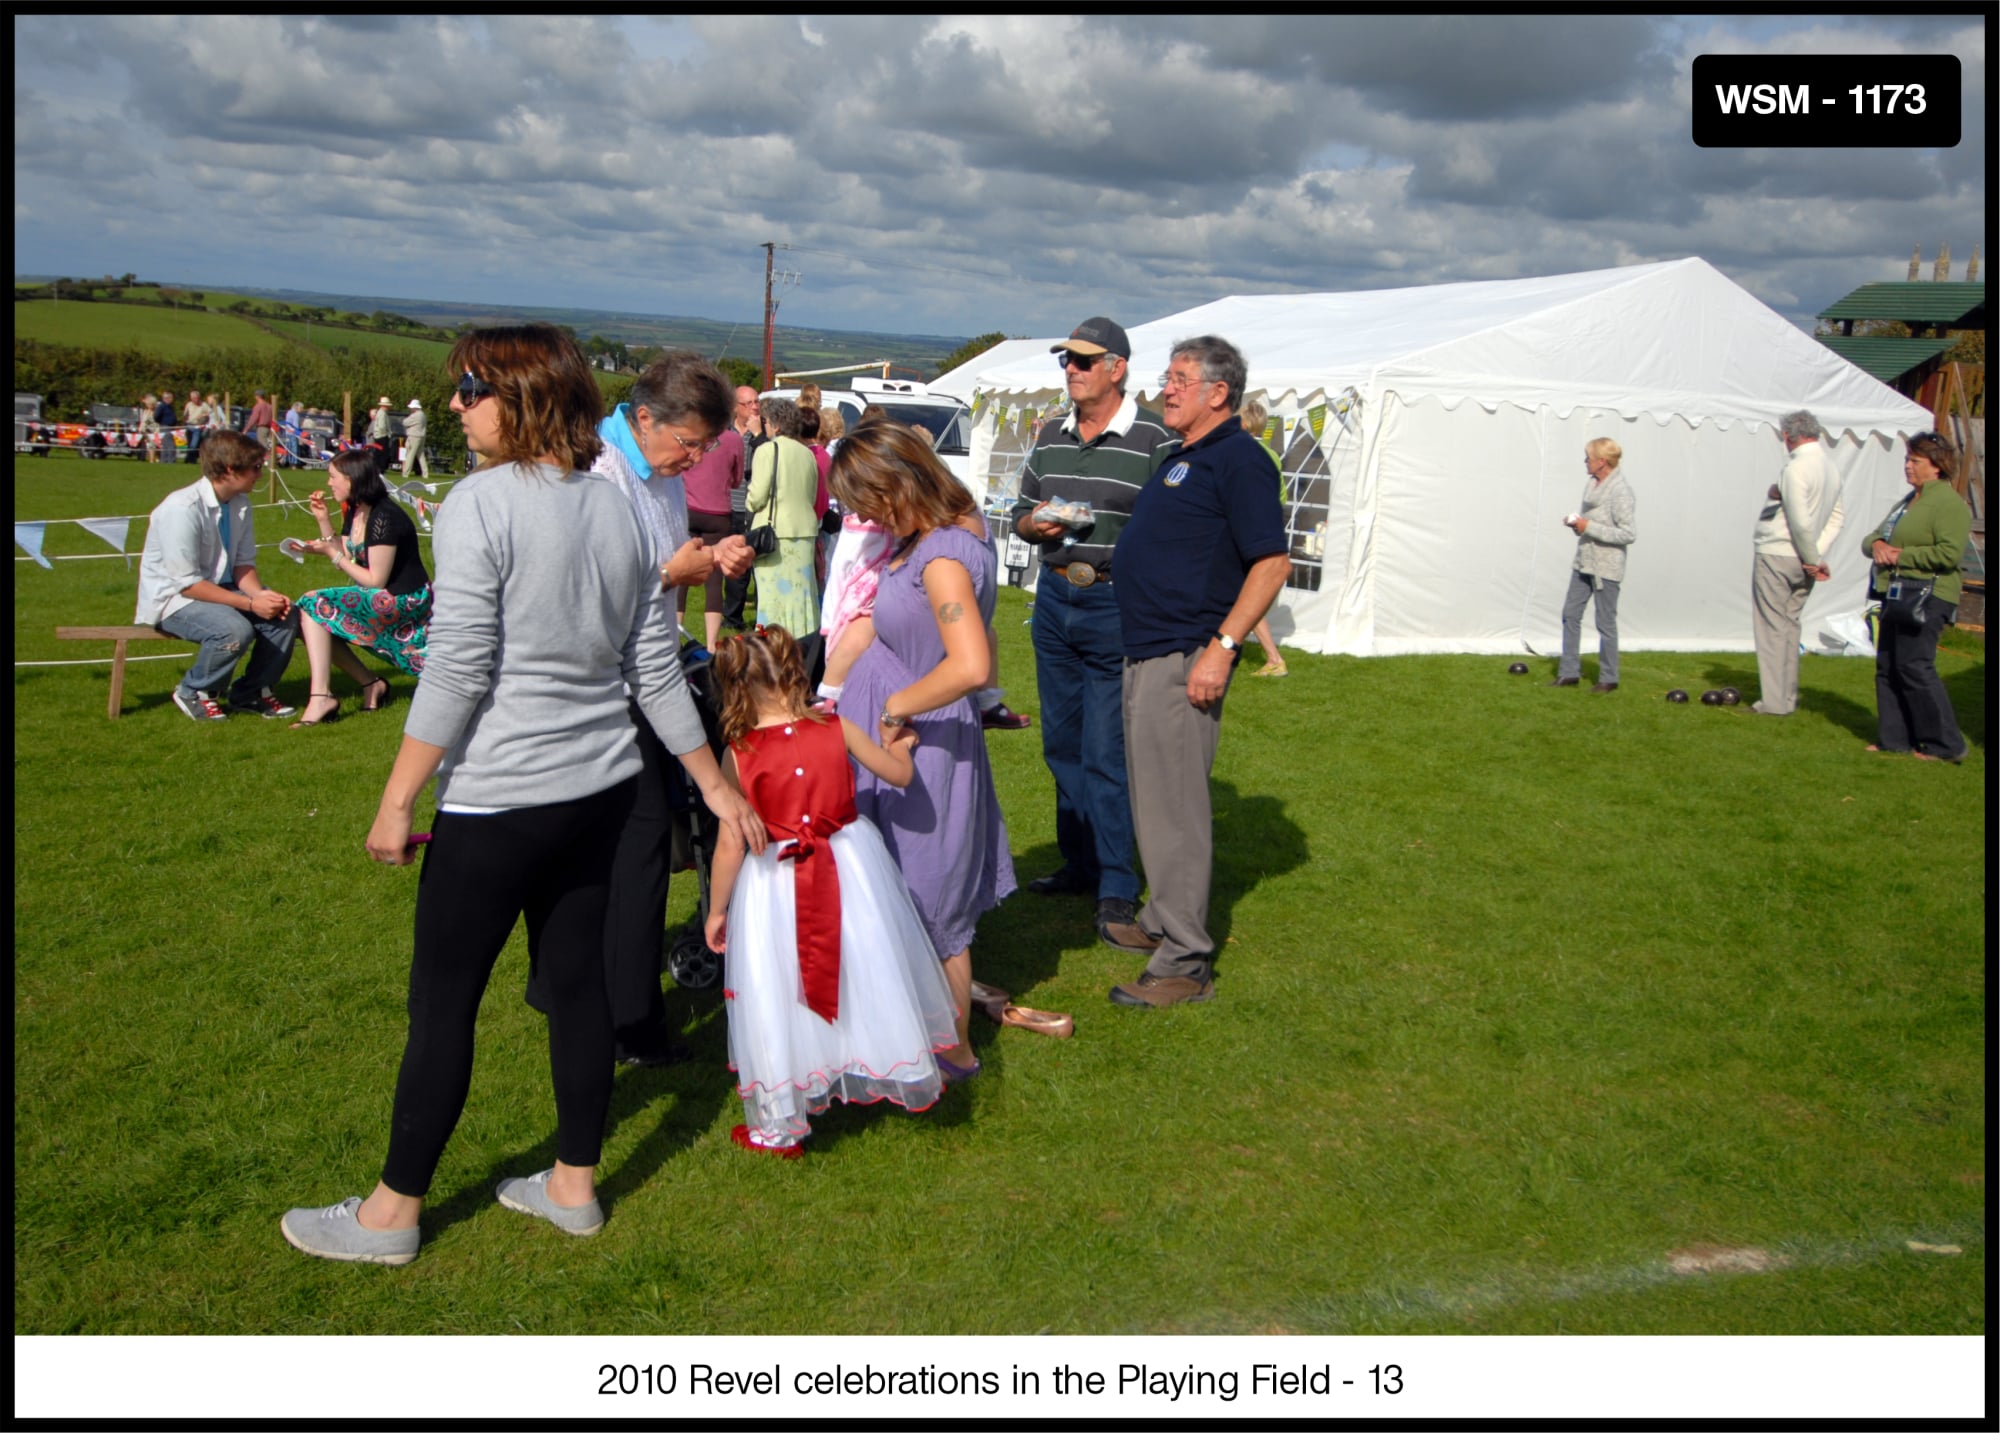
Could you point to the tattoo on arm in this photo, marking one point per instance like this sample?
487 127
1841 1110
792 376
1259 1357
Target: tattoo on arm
949 613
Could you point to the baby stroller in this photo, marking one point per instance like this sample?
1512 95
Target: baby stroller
689 961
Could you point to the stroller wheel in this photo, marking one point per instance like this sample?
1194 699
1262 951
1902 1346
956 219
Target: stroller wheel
691 963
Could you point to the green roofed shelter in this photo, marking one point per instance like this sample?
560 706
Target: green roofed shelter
1938 306
1888 359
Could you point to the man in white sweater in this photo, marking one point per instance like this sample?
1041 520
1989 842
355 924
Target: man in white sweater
1796 528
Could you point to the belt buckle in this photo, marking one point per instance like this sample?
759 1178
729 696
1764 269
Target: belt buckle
1080 574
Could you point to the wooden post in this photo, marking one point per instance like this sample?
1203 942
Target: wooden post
347 416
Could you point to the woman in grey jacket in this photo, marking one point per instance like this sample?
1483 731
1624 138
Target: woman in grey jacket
544 614
1605 525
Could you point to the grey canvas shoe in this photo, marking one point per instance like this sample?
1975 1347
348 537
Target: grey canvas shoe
335 1232
531 1196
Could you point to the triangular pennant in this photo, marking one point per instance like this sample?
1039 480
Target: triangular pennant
111 529
1316 416
29 536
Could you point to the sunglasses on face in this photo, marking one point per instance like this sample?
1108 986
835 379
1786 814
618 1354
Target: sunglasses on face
471 390
1081 362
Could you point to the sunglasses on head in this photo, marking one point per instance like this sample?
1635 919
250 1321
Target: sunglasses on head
471 390
1083 362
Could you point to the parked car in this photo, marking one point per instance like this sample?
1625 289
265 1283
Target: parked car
28 436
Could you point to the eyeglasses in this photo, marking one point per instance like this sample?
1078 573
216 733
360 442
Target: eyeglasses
692 449
1081 362
471 390
1170 382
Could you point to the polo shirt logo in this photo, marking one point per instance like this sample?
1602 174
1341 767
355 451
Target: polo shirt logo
1176 475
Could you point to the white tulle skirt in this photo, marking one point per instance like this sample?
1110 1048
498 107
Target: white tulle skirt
895 1009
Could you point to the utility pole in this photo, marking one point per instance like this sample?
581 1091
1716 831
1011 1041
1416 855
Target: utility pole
769 313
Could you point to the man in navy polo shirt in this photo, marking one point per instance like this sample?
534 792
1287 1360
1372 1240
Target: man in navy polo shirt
1201 559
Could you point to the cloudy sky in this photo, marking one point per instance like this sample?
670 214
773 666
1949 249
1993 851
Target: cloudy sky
949 176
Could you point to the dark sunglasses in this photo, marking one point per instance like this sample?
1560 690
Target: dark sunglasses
1083 362
471 390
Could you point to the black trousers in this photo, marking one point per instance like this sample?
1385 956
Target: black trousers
635 908
1912 708
552 865
736 590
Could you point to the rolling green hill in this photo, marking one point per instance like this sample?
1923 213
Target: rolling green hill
167 332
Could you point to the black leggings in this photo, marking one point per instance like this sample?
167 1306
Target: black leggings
711 528
481 873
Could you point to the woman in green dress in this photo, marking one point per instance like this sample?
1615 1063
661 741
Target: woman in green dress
783 480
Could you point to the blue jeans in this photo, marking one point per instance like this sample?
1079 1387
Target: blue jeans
1080 676
223 633
1580 593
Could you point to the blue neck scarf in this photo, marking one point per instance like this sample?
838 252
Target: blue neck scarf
617 431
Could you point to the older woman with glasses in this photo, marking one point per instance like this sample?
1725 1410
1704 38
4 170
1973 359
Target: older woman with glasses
1916 551
783 481
678 407
546 616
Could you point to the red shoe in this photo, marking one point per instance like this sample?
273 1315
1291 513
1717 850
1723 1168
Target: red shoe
741 1134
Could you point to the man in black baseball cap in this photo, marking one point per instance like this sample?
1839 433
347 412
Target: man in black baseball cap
1097 458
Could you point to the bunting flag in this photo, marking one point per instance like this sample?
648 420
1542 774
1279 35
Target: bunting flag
1316 416
112 530
978 406
1273 428
29 536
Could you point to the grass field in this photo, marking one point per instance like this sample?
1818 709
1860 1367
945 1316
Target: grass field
169 333
1524 994
345 340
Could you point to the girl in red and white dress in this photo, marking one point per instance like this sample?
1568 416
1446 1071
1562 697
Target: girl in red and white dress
834 989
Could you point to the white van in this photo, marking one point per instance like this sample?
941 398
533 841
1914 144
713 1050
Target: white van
947 419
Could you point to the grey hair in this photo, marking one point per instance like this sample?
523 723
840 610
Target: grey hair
1221 362
781 416
683 387
1799 426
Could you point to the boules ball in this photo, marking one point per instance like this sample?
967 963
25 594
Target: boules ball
1730 696
1518 669
1677 695
1711 698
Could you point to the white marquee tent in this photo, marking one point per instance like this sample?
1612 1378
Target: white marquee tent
1433 442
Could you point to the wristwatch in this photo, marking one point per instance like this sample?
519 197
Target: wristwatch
886 720
1229 643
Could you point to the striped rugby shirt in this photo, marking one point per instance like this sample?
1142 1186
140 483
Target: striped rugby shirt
1106 472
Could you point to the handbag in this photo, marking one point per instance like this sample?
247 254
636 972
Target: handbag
763 540
1904 599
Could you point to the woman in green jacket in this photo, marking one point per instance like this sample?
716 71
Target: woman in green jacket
1922 539
783 481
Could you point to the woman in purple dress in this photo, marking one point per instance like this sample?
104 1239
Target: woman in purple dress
929 655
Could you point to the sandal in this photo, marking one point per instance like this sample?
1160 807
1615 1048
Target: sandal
376 694
327 720
1272 669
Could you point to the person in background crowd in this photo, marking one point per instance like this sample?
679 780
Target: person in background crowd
1256 417
194 418
289 429
546 615
1100 456
262 422
1921 540
414 456
198 581
168 424
712 486
148 428
1202 558
783 478
1605 525
380 436
750 430
1794 532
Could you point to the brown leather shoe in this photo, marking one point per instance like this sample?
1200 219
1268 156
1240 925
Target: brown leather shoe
1564 682
1151 990
1128 935
1605 687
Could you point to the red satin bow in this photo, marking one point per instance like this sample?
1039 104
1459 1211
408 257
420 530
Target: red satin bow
816 901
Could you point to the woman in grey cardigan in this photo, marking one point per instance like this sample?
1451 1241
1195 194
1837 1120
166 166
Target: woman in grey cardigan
545 612
1605 524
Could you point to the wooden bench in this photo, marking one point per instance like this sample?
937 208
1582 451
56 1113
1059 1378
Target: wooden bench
118 637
